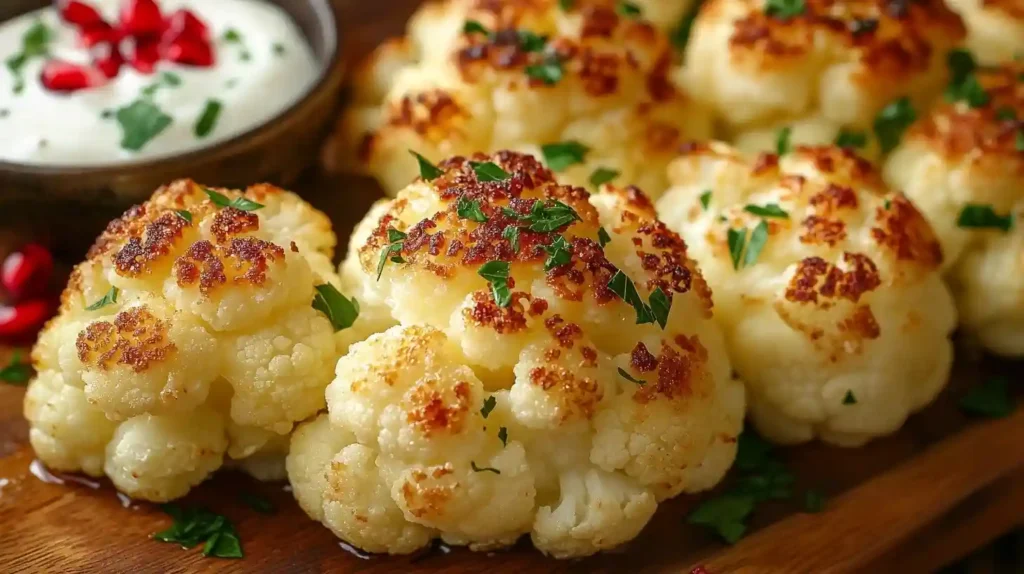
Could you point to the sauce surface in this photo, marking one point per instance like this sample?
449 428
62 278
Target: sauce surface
263 65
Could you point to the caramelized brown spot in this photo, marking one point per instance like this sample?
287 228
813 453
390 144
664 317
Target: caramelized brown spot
815 277
578 396
139 253
430 412
642 360
136 338
230 222
905 232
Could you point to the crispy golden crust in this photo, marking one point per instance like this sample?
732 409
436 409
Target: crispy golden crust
136 339
676 373
431 411
244 260
818 282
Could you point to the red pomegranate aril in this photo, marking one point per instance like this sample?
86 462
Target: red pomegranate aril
61 76
110 63
22 321
101 33
189 52
78 13
144 55
142 18
27 271
184 23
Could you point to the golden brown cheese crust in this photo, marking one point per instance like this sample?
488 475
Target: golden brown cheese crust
136 339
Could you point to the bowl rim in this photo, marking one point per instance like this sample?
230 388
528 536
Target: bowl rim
329 17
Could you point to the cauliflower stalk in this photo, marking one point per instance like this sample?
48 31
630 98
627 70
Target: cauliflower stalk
187 340
995 28
555 370
825 283
586 86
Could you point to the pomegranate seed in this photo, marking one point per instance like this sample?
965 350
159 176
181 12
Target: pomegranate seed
141 18
108 60
60 76
144 55
189 52
23 321
101 33
26 271
184 23
79 13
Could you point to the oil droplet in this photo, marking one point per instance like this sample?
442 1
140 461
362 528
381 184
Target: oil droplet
357 552
39 470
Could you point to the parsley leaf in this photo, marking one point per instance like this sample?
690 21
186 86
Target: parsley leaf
784 9
193 526
814 501
340 311
625 375
705 200
963 83
503 436
752 451
990 399
471 27
771 481
260 504
849 398
851 139
208 119
726 515
545 217
681 35
661 304
35 42
603 238
1006 114
769 210
782 145
566 4
624 287
559 253
549 71
629 9
109 299
476 468
240 203
892 121
737 240
489 404
232 36
392 250
531 42
496 273
602 176
184 214
489 171
979 216
758 238
16 372
428 171
470 209
559 156
511 233
140 122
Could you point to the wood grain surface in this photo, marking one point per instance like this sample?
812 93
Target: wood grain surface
928 495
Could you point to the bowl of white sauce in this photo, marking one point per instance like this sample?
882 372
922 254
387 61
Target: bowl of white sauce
105 100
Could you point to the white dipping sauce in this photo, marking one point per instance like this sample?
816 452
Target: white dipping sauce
254 79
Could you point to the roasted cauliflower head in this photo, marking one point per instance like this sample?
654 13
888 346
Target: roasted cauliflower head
963 166
556 371
189 339
586 86
995 28
826 284
818 67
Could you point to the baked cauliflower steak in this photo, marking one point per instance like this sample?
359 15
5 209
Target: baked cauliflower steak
587 87
823 70
555 372
188 339
826 285
963 166
995 28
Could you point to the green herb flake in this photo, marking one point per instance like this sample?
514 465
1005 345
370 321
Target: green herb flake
782 143
240 203
184 214
193 526
851 139
566 4
758 238
1006 114
892 121
503 436
339 310
624 287
705 200
752 451
549 71
602 176
511 233
772 481
990 399
979 216
545 217
849 398
428 171
969 91
814 501
208 119
603 238
559 253
223 544
784 9
278 49
737 240
476 468
16 372
394 247
629 9
661 304
625 375
171 79
232 36
471 27
470 209
531 42
488 171
258 503
725 515
559 156
496 273
769 210
109 299
681 35
35 43
140 122
489 404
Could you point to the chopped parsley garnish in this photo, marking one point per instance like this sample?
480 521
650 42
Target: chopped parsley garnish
240 203
566 4
814 501
603 238
232 36
488 171
602 175
625 375
887 204
752 451
340 310
559 156
681 35
208 119
470 209
737 240
549 71
963 83
705 200
35 43
784 9
16 372
979 216
428 171
770 481
756 243
278 49
849 398
851 140
661 304
892 121
169 79
193 526
503 436
474 27
140 122
109 299
259 503
990 399
531 42
511 233
559 253
629 9
476 468
496 273
1006 114
489 404
545 217
726 515
782 145
396 240
624 287
770 210
184 214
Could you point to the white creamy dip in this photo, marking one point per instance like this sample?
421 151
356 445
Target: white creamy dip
263 65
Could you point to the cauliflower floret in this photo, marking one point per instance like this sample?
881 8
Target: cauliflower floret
188 339
537 404
995 28
825 283
538 75
831 66
963 166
